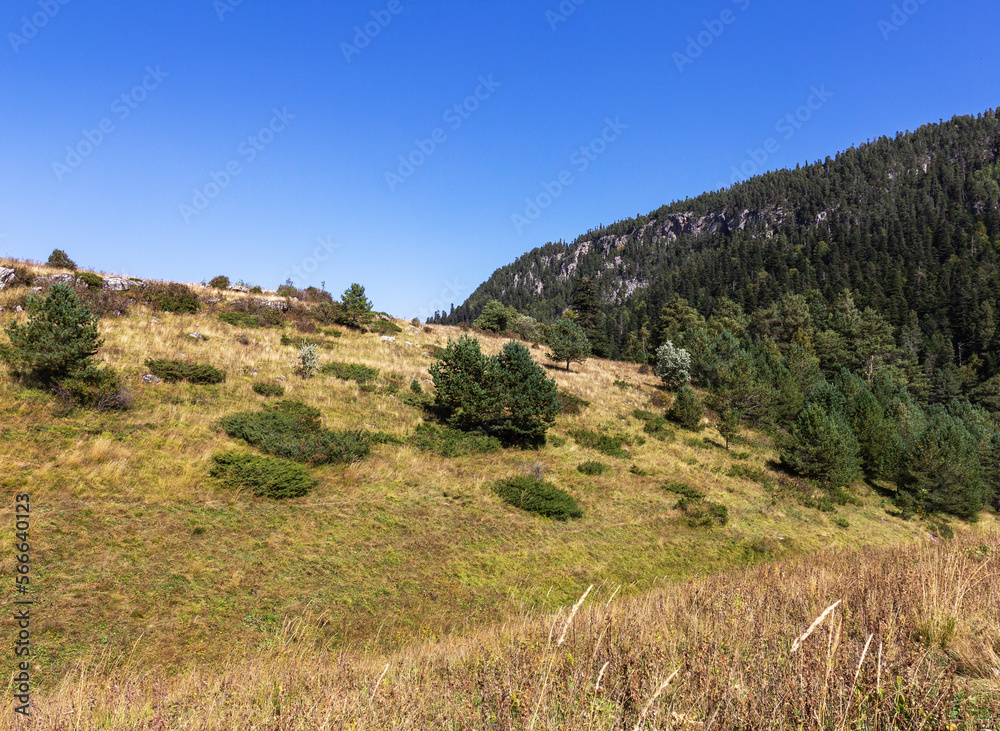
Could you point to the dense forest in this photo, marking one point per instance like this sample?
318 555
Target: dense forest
884 260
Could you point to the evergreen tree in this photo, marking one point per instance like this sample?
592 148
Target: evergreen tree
495 317
729 424
355 308
687 409
526 400
58 258
822 446
463 390
590 316
60 337
567 342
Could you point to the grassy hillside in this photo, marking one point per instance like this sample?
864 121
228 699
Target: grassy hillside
138 554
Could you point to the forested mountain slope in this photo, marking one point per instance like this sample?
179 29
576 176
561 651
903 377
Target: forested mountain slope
910 226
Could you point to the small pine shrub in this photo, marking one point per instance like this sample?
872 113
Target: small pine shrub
841 523
386 327
415 386
95 388
603 443
265 476
59 258
450 442
571 404
219 282
239 319
555 441
268 389
687 409
350 371
292 430
623 385
176 370
702 513
415 322
679 488
93 281
592 468
637 470
538 496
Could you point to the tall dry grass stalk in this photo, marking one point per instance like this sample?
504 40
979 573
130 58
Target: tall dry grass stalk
726 636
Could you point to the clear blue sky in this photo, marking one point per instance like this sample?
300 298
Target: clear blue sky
216 74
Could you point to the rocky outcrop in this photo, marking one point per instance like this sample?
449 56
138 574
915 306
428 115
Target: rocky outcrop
279 305
54 279
117 284
6 276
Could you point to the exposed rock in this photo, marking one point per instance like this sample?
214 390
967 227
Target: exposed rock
117 284
6 276
56 279
212 301
239 288
150 378
197 336
386 337
280 305
18 308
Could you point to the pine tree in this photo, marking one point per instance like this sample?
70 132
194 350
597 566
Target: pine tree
729 424
58 258
567 342
687 409
60 337
355 308
822 446
590 316
528 400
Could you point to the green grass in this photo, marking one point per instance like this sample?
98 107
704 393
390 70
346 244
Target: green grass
449 442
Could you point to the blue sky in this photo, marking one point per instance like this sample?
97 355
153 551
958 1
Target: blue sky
415 147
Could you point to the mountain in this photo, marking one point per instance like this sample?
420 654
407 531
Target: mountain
909 225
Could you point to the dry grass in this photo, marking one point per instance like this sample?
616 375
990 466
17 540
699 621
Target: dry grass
139 557
710 653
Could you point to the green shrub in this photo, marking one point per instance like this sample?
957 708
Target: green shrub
265 476
571 404
655 425
386 327
292 430
95 388
415 386
219 282
350 371
556 441
268 389
355 310
568 342
679 488
170 297
592 468
702 513
687 409
624 385
308 360
841 523
176 370
93 281
637 470
603 443
239 319
538 496
58 258
60 337
450 442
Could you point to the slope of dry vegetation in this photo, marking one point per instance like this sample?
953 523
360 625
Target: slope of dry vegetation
912 642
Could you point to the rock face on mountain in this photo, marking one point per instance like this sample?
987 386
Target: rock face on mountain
117 284
6 276
54 279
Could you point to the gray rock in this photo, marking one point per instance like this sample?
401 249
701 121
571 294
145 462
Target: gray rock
239 288
56 279
18 308
150 378
117 284
282 305
197 336
389 339
212 301
6 276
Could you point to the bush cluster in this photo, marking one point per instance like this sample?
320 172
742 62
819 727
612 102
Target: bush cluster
94 281
95 388
592 468
292 430
176 370
538 496
350 371
268 389
702 513
240 319
450 442
219 282
170 297
265 476
687 410
654 425
571 404
684 490
609 444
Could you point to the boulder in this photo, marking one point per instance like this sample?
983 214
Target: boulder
150 378
389 339
239 288
196 336
280 305
55 279
117 284
6 276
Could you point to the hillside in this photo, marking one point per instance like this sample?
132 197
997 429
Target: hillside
137 552
910 225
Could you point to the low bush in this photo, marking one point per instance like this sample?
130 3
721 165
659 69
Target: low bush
538 496
555 441
655 425
592 468
608 444
95 388
104 302
385 327
680 488
350 371
170 297
94 281
268 389
702 513
176 370
639 471
239 319
265 476
450 442
219 282
292 430
571 404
